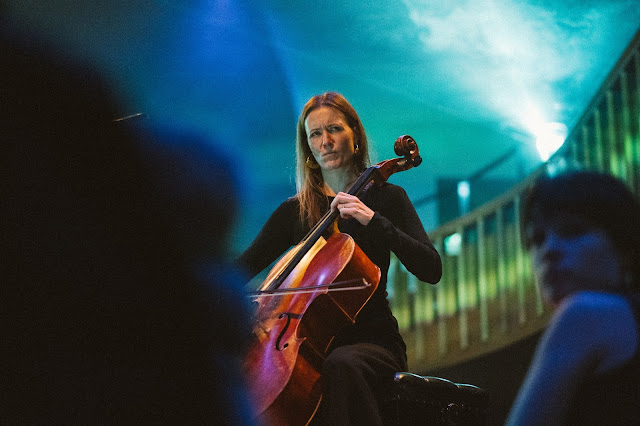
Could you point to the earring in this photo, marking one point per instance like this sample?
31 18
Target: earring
311 163
356 149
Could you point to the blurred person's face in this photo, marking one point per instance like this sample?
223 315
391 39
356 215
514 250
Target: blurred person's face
569 254
330 138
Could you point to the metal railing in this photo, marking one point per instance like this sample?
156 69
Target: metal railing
487 297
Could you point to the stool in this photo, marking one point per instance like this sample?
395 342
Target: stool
421 400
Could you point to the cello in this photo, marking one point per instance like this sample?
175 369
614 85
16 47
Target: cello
317 288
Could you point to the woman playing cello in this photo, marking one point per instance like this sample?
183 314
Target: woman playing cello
332 151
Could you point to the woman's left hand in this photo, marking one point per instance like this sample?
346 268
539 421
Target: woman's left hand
350 206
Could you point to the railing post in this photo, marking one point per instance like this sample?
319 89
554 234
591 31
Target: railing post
635 139
587 149
421 308
502 269
597 141
401 308
613 146
625 132
461 287
441 298
482 281
522 311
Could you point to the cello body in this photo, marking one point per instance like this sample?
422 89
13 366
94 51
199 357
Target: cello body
294 330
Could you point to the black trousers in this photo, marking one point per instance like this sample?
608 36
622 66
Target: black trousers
355 378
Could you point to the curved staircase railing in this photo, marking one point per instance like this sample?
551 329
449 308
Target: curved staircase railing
487 298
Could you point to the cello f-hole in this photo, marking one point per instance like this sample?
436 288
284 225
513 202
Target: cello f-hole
284 329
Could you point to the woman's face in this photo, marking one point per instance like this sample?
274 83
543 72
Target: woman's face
330 138
569 255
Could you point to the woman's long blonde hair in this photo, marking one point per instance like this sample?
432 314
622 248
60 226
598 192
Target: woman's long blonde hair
309 181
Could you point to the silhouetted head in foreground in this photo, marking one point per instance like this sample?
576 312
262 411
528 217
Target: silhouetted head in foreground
105 319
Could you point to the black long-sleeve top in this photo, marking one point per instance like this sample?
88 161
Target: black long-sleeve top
395 227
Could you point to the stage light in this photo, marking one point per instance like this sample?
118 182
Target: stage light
549 138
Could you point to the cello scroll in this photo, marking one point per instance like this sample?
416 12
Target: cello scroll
407 148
